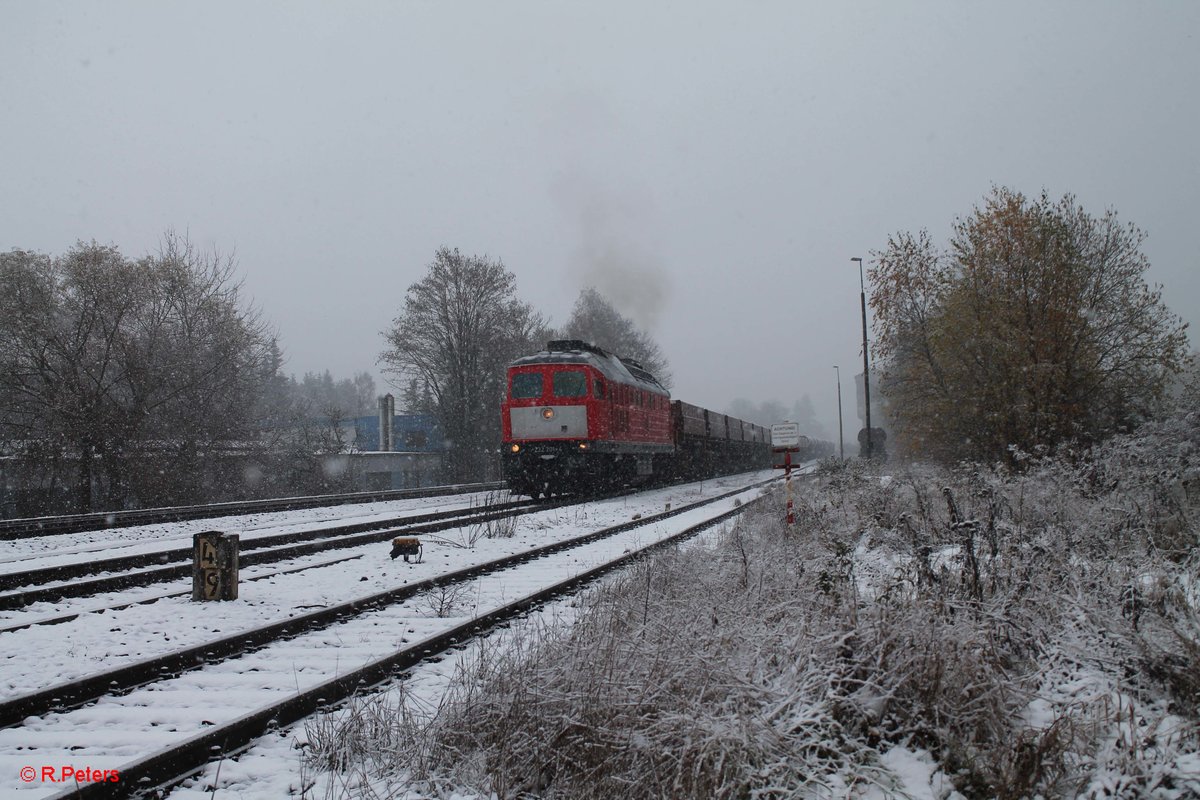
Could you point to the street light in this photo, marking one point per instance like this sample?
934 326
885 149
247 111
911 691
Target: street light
866 367
841 441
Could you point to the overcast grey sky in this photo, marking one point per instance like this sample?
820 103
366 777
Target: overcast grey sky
711 166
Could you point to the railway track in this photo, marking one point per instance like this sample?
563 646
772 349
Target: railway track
27 527
22 588
50 584
367 619
61 618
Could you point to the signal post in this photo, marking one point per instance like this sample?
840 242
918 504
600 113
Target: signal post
785 440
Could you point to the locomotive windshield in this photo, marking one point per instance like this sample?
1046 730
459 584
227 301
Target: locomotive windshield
526 385
570 384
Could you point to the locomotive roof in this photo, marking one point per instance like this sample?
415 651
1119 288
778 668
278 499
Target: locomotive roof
610 365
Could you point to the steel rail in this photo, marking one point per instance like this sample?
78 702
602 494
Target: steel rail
145 601
11 580
30 527
283 546
11 601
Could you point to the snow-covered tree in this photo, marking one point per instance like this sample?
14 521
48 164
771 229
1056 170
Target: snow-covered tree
136 372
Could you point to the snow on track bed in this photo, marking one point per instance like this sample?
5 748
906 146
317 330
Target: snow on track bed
112 638
89 579
271 767
52 551
174 709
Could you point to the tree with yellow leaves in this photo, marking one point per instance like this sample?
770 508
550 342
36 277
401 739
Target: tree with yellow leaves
1034 329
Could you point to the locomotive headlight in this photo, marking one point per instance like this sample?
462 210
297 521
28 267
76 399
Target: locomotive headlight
516 448
583 445
547 413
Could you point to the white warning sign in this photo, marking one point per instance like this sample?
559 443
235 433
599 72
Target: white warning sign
785 435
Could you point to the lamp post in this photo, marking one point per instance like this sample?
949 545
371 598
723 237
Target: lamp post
841 441
862 295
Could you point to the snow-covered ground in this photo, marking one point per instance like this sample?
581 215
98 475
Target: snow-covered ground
275 766
50 551
102 736
918 634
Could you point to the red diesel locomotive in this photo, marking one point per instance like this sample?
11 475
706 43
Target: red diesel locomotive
576 417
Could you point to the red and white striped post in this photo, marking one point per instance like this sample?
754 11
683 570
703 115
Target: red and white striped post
787 481
786 439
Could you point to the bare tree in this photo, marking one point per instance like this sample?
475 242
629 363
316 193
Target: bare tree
136 371
461 326
594 319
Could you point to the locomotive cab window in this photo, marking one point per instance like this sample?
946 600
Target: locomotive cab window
570 384
600 388
526 385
